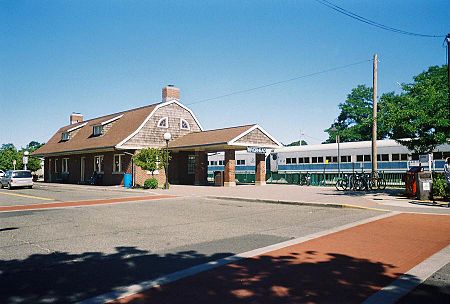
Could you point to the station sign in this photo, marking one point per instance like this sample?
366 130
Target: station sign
257 150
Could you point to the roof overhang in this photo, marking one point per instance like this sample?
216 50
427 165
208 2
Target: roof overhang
74 152
233 144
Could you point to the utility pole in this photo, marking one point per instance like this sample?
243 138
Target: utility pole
374 123
448 69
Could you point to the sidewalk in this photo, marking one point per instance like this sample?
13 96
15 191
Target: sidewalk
388 200
347 266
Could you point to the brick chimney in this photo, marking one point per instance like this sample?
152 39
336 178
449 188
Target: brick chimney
75 118
170 92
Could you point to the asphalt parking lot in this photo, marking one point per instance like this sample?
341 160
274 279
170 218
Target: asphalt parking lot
42 193
69 254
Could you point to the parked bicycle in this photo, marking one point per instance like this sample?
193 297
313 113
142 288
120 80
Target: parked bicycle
305 179
361 181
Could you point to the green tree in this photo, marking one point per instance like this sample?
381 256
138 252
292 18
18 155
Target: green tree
149 159
34 163
418 118
354 122
297 143
8 153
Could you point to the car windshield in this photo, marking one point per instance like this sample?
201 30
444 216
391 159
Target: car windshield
21 174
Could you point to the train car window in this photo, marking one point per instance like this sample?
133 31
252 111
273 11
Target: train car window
320 159
300 160
334 159
346 159
328 158
382 157
241 162
437 155
314 160
288 160
294 160
445 155
220 162
404 156
359 158
306 159
395 157
415 156
367 158
274 156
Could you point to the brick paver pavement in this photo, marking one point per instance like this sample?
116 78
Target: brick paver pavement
343 267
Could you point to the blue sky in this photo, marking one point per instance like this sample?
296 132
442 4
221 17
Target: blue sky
100 57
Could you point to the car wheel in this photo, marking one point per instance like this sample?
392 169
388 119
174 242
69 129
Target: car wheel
9 186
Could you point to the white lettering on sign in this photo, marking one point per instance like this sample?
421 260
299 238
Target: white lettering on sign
426 186
257 150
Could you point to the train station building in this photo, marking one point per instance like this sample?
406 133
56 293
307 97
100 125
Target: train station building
104 146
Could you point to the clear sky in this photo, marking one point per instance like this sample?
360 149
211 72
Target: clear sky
100 57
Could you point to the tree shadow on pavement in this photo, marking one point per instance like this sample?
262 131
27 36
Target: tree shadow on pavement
292 278
62 277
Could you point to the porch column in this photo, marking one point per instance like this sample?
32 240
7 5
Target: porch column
260 173
230 169
201 168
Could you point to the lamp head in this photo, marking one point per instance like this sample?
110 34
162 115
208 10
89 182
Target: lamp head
167 136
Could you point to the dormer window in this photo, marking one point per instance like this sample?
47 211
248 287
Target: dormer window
97 130
184 125
163 123
65 136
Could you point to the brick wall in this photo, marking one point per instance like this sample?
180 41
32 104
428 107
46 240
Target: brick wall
74 168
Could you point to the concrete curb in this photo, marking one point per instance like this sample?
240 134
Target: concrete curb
93 188
295 203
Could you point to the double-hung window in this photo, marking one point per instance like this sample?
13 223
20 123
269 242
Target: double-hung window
118 163
98 164
65 165
97 130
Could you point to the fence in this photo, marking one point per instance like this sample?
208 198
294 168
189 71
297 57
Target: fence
392 179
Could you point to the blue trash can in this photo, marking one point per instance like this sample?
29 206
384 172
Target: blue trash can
127 180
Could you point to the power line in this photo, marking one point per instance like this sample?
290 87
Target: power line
373 23
280 82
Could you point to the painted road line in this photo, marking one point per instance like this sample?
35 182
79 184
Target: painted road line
411 279
81 203
27 196
343 267
125 291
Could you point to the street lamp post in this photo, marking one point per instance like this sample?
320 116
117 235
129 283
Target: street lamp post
25 159
167 137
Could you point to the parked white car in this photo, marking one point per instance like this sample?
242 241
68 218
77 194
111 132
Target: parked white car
17 178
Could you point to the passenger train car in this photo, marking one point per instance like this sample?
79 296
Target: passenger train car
353 156
323 159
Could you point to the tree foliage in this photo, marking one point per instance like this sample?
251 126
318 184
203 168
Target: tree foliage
354 123
418 118
9 153
151 159
297 143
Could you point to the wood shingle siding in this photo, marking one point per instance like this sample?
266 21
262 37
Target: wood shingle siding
152 136
256 137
